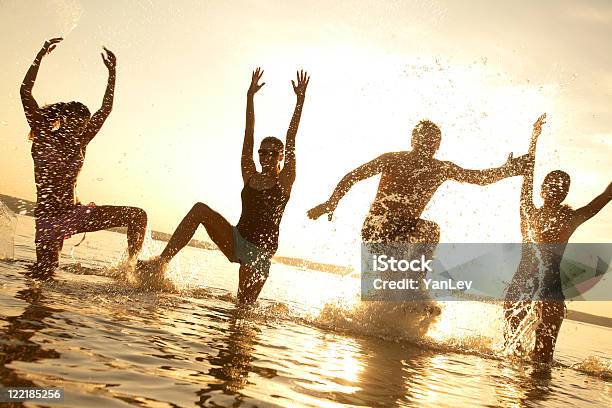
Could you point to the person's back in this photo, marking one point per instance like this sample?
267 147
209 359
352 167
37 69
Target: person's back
58 159
409 180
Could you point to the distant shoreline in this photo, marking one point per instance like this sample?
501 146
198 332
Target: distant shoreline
589 318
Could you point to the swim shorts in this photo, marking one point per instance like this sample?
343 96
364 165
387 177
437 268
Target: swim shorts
65 225
249 254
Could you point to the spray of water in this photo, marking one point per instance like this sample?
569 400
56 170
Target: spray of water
8 224
69 13
521 339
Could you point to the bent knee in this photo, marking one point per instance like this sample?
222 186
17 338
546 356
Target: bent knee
428 231
138 214
141 215
200 210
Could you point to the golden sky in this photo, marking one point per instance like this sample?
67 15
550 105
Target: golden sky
484 71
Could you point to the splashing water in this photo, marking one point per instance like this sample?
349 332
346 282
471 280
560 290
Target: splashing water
8 224
521 340
598 366
180 275
389 320
69 13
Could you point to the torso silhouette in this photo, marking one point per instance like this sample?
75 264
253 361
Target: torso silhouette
539 273
56 169
407 184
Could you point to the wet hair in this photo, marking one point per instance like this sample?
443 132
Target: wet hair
425 133
275 141
79 109
56 112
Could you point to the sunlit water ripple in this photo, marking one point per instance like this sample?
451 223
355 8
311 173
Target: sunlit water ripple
108 343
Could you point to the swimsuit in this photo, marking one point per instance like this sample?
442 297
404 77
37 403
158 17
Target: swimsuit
54 228
383 225
256 234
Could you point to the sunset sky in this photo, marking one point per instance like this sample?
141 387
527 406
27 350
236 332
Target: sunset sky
484 71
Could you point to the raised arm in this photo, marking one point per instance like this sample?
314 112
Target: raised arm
98 118
247 163
592 208
527 205
30 107
362 172
287 175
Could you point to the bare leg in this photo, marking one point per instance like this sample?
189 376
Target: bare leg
47 259
548 330
250 284
110 216
423 241
425 238
217 227
514 313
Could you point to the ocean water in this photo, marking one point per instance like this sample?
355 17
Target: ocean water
308 342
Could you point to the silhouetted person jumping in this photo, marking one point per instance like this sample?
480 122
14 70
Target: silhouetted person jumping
254 240
538 277
60 134
408 181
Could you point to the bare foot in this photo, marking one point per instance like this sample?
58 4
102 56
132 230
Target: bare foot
151 273
40 272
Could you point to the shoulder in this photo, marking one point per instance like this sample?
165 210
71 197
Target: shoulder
387 161
392 157
251 177
445 166
567 212
402 154
564 211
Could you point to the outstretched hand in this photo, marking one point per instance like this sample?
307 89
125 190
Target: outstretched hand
49 45
510 161
321 209
520 165
109 59
255 77
537 126
302 82
512 165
